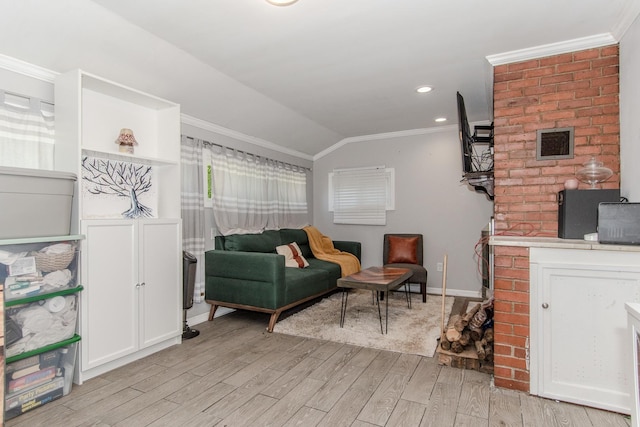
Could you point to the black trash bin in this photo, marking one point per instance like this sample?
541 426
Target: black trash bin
189 264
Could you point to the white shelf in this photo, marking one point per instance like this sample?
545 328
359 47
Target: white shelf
123 157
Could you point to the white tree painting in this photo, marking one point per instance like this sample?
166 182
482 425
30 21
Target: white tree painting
129 182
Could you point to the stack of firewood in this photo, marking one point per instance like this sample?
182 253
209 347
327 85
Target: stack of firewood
473 329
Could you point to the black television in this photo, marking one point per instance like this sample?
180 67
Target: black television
464 133
477 151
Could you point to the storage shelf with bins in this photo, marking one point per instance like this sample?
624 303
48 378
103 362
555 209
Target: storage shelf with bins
41 293
130 262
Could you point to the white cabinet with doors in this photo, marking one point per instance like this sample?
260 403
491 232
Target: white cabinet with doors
132 264
130 309
580 350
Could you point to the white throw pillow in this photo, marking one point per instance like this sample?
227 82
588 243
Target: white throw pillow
292 255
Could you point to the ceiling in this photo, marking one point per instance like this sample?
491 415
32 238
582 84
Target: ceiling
330 69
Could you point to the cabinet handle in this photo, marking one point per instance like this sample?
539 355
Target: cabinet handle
545 305
143 284
137 285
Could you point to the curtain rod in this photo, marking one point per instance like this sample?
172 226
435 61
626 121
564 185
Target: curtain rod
250 154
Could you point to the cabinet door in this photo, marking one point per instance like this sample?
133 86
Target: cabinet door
161 280
582 337
109 314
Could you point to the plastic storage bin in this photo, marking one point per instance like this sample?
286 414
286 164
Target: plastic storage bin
38 377
38 268
35 203
35 322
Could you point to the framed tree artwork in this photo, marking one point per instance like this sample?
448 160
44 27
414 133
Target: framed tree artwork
118 189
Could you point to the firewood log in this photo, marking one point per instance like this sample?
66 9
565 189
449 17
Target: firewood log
488 350
451 333
445 344
476 333
465 338
464 320
480 350
456 347
488 335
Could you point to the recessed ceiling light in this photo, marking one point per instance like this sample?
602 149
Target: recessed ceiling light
424 89
281 2
441 119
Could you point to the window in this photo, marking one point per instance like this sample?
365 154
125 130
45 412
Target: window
361 195
26 132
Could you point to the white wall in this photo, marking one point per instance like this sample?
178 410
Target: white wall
630 113
429 199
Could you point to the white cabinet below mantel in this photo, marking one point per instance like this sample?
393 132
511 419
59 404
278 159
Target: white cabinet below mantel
578 325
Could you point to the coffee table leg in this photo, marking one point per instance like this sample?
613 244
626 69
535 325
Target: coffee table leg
379 314
343 307
407 294
386 318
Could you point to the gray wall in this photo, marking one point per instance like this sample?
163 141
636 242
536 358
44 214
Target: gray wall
429 199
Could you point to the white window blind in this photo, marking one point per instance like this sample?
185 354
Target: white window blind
360 195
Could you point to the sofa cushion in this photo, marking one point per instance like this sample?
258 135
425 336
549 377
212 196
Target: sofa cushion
288 235
264 242
302 283
332 269
292 255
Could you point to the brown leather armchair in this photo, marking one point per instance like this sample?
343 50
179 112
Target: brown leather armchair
406 251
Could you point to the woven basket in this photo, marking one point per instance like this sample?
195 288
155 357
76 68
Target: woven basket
52 262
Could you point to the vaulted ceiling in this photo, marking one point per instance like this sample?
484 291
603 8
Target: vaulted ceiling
308 75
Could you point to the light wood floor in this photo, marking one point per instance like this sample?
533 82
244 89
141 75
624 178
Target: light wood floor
237 374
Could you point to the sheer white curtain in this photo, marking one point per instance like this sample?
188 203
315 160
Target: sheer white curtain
26 132
252 194
192 206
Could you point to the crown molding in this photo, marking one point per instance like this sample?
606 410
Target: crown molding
551 49
27 69
627 16
205 125
379 136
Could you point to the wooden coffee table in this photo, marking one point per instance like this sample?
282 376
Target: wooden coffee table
376 279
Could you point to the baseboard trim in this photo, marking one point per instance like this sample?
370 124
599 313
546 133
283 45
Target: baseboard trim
201 318
455 292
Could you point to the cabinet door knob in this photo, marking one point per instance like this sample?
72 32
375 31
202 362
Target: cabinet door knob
545 305
142 284
137 285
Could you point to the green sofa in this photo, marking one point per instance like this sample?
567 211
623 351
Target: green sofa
245 272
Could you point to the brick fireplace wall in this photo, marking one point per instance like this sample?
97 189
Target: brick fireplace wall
580 90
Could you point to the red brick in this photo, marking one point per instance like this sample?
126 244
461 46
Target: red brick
586 54
604 100
555 79
557 115
588 74
574 104
611 50
556 59
538 90
506 77
521 297
573 66
525 65
516 84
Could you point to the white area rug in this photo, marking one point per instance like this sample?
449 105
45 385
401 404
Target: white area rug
414 331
